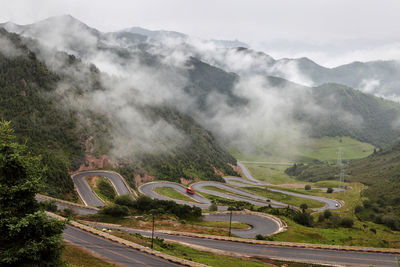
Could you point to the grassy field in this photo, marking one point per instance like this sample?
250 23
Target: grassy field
77 257
217 189
172 193
326 148
274 174
306 150
287 199
359 235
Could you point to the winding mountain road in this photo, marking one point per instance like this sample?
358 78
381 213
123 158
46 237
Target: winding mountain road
259 225
86 193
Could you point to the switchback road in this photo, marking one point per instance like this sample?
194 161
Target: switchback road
86 193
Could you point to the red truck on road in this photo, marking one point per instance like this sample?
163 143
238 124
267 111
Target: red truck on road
189 190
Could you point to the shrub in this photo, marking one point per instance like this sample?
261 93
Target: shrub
391 221
49 205
329 190
303 218
347 222
147 205
367 204
334 220
327 214
303 207
115 210
307 187
214 207
260 237
373 230
125 200
106 189
358 209
67 212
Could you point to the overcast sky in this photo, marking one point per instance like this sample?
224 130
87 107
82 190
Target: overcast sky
331 32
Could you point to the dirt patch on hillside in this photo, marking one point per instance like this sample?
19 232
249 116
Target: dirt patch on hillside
93 163
236 168
142 179
187 181
93 180
218 172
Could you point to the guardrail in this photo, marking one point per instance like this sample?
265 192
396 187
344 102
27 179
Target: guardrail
128 243
66 202
264 242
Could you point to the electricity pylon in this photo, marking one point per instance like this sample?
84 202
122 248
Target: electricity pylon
340 164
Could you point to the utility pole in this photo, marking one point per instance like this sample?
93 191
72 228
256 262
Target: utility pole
230 223
341 166
152 234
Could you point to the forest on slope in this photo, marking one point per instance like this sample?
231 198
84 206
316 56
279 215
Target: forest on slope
29 99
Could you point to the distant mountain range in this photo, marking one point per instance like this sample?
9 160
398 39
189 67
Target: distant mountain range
380 78
212 77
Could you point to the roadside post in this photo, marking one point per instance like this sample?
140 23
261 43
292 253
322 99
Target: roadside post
230 223
152 233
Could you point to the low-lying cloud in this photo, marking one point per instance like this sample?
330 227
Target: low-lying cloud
132 78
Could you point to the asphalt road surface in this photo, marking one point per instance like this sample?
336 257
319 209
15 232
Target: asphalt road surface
198 201
113 251
322 256
259 225
247 196
329 203
76 209
86 193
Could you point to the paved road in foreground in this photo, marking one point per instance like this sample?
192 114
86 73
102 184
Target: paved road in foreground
113 251
86 193
323 256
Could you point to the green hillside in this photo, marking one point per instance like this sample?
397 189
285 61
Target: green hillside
352 113
307 150
380 172
24 83
29 99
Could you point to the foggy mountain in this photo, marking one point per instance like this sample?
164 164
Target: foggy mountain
380 78
244 98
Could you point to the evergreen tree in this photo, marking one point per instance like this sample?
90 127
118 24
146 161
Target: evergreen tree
27 236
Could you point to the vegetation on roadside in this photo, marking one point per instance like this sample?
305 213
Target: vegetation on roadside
125 205
167 222
78 257
105 190
233 204
172 193
28 237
